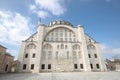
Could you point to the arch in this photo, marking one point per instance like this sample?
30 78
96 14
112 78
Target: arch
76 46
47 46
31 46
91 47
57 27
47 52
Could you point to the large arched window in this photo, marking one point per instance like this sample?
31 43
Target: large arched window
60 34
47 52
91 51
76 51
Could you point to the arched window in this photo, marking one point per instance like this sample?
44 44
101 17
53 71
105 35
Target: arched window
91 51
47 52
76 46
62 46
74 55
65 46
57 46
56 39
31 46
47 46
65 34
44 55
49 55
69 34
67 55
79 53
62 33
91 47
57 55
74 40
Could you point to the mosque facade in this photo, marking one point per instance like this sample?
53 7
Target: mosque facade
60 47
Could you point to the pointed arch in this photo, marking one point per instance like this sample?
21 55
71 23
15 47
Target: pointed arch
91 47
31 46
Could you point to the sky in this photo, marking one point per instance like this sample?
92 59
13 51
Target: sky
100 18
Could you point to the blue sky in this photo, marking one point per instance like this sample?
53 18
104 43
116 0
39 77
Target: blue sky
100 18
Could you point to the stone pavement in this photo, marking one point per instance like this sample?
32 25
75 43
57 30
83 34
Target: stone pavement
62 76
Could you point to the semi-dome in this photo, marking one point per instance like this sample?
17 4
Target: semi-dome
59 22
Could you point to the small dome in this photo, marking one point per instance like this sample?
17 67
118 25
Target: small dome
59 22
79 25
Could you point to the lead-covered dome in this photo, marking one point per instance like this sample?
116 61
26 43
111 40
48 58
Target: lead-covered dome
59 22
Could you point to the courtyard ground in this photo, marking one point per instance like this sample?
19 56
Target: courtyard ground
62 76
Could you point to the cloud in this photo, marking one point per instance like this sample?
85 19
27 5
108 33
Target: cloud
110 51
14 27
40 13
45 8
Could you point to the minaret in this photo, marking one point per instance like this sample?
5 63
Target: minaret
40 33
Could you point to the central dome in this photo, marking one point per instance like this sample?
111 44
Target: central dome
59 22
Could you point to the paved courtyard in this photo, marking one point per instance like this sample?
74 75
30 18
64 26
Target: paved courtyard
62 76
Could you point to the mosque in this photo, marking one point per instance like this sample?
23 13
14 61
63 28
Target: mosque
60 47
